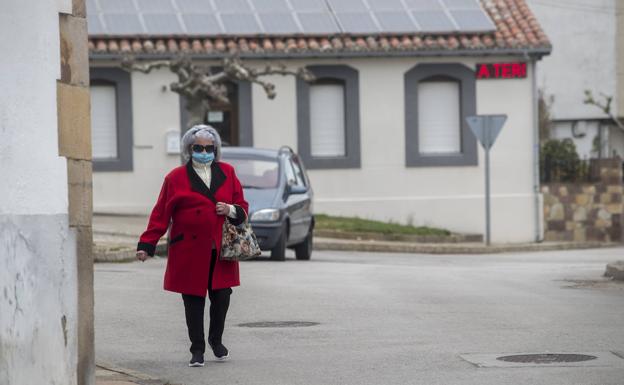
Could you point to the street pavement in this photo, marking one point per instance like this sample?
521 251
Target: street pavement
383 319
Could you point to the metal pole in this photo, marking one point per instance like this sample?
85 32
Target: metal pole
487 182
487 197
537 202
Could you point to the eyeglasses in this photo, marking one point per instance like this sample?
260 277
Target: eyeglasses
199 148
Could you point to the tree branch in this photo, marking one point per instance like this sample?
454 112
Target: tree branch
604 106
201 87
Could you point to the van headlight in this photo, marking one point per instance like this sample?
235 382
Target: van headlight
265 215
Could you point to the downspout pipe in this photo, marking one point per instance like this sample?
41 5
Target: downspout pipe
536 153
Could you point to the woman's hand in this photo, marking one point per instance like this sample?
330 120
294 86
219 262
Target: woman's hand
223 208
141 255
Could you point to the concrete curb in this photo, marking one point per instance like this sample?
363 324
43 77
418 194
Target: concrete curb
108 374
615 270
437 248
107 252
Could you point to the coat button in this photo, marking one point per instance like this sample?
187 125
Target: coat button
194 236
198 211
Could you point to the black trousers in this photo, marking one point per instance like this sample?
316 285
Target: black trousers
194 310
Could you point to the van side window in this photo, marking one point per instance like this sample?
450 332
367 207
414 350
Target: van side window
291 178
298 173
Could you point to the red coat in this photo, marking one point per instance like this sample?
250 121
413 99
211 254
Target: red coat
188 207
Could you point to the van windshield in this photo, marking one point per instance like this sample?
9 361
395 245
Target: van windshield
255 173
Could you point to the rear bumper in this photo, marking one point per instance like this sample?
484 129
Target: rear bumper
267 234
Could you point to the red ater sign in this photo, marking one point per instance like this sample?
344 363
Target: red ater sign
501 71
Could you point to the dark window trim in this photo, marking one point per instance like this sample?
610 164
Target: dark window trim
245 114
123 94
467 89
350 78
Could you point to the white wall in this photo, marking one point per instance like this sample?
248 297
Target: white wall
584 53
38 294
383 188
155 111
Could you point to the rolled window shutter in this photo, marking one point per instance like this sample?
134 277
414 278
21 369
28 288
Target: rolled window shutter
103 122
439 129
327 120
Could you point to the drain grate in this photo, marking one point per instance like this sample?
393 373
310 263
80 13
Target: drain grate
546 358
278 324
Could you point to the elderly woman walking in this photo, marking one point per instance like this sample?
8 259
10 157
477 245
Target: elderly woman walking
194 201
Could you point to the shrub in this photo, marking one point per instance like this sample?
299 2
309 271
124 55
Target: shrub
559 162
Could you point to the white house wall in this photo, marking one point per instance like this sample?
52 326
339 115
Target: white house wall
583 57
383 188
38 273
155 111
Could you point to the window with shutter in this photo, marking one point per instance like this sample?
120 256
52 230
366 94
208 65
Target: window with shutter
327 120
438 99
104 122
111 119
439 117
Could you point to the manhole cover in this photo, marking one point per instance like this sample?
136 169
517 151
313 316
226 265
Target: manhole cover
546 358
278 324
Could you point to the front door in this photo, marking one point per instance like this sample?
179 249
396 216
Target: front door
224 117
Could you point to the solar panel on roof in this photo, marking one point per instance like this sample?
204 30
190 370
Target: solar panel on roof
472 20
357 22
164 6
202 24
91 7
156 23
423 4
232 6
191 6
283 17
386 5
278 23
271 5
240 23
395 22
316 22
433 21
94 25
309 5
120 6
463 4
123 24
347 5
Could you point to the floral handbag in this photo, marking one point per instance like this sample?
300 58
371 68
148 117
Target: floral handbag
239 242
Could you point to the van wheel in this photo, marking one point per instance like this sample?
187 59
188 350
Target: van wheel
278 252
303 251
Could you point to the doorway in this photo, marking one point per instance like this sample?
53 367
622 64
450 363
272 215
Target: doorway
224 117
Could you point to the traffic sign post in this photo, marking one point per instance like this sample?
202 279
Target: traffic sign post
486 128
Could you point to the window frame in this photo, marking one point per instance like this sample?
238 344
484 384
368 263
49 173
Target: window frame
350 78
120 79
467 105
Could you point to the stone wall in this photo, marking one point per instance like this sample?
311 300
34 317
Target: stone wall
74 143
586 211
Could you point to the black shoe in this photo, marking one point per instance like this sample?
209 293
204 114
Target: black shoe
197 360
219 351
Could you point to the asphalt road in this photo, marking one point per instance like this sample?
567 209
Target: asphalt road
383 319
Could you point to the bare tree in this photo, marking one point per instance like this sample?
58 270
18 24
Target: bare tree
604 105
201 87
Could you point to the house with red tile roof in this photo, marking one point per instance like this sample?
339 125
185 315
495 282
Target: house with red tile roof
382 130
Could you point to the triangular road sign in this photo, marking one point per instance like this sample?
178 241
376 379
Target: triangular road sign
486 128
